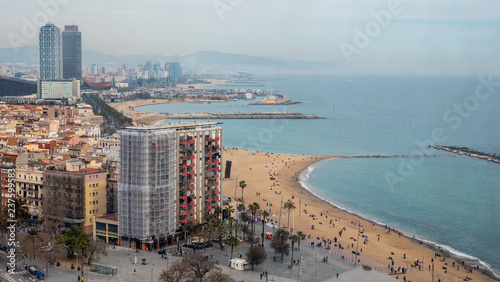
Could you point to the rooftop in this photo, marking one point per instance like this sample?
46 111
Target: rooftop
177 126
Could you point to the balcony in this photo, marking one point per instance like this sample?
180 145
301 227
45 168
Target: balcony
184 213
191 219
192 204
192 142
184 205
192 211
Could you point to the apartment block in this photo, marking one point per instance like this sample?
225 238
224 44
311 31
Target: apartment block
168 175
75 196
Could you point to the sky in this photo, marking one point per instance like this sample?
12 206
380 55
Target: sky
363 36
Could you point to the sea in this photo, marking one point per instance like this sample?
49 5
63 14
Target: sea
448 200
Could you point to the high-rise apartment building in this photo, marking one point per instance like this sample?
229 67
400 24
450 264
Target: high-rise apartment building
168 175
50 52
72 52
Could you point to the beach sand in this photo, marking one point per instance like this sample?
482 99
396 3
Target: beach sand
141 118
256 168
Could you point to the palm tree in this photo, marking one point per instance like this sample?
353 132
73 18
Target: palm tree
233 242
21 210
253 207
289 205
302 236
241 208
242 185
236 228
229 209
218 212
294 238
221 227
264 214
209 227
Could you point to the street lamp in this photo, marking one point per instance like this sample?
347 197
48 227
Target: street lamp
357 242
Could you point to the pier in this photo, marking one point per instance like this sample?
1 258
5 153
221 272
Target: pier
468 152
261 115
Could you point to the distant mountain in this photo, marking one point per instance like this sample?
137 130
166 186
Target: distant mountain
201 62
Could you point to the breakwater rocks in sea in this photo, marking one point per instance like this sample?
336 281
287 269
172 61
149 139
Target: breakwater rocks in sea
389 156
269 115
468 152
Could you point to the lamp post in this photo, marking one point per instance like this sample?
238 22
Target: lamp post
357 242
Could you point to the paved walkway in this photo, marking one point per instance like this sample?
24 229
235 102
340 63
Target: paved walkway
312 266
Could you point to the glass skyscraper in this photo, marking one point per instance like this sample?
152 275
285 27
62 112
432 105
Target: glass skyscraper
50 52
72 52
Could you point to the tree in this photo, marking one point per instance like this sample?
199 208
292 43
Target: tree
188 228
280 242
294 238
221 231
176 273
198 266
232 242
253 207
255 255
218 276
218 212
302 236
21 210
78 242
264 214
289 205
242 186
32 243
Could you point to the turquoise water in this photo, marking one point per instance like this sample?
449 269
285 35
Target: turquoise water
449 200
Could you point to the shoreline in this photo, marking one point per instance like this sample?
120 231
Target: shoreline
375 250
448 251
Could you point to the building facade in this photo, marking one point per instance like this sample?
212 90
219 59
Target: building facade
74 197
72 52
57 89
29 187
146 188
50 52
168 175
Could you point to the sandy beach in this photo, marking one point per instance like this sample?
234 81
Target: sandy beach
376 249
141 118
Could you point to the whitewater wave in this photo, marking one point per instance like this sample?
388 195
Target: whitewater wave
304 180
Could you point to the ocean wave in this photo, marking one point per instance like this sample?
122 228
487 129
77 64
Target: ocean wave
304 180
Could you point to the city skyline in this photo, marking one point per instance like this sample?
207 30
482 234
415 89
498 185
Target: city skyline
390 37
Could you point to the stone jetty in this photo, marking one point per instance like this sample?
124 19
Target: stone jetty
468 152
261 115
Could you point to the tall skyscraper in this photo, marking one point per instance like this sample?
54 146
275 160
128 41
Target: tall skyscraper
50 52
168 175
72 52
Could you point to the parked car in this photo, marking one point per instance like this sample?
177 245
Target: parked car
144 261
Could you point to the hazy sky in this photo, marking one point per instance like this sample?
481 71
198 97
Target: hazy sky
445 36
